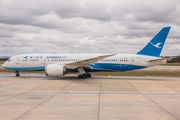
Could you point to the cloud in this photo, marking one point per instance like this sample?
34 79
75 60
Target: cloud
78 26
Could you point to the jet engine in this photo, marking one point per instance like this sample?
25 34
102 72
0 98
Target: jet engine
55 70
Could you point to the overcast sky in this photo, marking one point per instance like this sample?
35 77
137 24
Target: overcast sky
86 26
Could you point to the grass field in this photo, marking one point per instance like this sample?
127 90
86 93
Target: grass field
132 73
172 64
1 62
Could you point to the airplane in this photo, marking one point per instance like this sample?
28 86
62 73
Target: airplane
61 64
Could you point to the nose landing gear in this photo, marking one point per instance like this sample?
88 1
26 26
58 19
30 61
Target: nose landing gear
17 73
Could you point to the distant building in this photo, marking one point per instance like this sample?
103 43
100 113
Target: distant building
4 58
175 60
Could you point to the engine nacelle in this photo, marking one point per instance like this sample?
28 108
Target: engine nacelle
55 70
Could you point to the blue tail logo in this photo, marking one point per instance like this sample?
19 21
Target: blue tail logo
155 46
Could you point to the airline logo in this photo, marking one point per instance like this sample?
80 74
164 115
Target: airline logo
25 57
157 45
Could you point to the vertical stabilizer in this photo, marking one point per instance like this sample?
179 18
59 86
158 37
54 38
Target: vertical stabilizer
154 47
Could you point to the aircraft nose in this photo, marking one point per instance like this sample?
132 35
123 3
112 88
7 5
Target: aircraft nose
4 65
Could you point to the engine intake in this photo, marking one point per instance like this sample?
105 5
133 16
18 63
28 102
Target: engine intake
55 70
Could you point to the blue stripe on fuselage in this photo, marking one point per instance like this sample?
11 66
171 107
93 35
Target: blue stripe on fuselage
26 68
115 67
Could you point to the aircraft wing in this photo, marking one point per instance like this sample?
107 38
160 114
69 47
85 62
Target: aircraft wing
86 62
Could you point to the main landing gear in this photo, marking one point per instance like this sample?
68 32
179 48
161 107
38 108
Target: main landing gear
84 76
17 73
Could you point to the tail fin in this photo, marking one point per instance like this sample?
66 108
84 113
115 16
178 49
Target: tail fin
154 47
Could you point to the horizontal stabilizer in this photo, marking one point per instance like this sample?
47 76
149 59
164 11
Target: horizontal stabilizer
156 60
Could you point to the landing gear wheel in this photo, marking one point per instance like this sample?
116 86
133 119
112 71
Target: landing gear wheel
80 76
17 75
88 75
84 76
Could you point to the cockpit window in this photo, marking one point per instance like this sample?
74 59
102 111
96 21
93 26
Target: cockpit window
9 60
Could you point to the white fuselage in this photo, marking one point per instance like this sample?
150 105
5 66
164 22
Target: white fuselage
37 62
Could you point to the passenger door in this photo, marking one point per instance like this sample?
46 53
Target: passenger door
43 62
131 60
17 60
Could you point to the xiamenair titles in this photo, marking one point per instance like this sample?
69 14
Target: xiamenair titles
61 64
40 57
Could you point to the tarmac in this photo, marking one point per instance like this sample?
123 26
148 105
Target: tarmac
37 97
